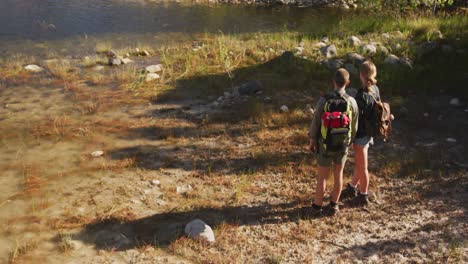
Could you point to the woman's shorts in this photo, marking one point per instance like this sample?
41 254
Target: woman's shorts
364 141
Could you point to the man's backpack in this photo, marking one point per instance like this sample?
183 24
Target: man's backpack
335 126
380 122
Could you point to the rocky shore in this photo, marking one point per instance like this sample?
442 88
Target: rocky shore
346 4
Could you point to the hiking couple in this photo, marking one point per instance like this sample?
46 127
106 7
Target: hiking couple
339 121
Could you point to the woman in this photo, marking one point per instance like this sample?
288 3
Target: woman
365 100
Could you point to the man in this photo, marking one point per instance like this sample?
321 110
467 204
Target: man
331 133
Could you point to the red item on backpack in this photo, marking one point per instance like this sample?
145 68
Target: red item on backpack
335 119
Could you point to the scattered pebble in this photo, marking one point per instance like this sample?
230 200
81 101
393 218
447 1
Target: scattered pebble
451 140
97 153
184 189
126 61
155 182
455 102
151 77
154 68
284 109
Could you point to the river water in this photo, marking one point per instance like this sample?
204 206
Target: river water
25 23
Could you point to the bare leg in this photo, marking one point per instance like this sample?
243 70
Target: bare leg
321 184
361 170
338 184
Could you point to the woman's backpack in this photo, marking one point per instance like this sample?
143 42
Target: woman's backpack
380 122
335 126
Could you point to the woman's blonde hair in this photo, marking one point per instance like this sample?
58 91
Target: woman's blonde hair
369 71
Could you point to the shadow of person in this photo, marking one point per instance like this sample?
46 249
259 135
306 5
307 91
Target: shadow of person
161 229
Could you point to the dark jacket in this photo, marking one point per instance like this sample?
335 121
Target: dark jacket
365 104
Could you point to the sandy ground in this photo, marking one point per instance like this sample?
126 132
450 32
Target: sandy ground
249 179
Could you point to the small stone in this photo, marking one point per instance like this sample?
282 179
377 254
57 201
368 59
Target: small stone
220 99
329 51
374 258
392 60
284 109
126 61
437 35
451 140
386 35
426 114
154 68
354 41
115 61
320 45
455 102
382 50
198 230
356 59
368 49
324 40
333 65
97 153
184 189
160 202
33 68
155 182
145 53
151 77
406 61
98 68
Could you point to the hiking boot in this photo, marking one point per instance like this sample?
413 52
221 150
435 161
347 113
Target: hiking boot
349 192
313 211
331 209
360 200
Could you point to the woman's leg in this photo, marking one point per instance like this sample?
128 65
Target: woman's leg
361 170
357 165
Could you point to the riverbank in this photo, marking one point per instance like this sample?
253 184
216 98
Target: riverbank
108 163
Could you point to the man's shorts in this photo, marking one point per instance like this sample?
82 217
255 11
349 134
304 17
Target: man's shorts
327 159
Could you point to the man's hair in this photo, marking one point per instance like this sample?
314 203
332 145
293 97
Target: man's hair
341 77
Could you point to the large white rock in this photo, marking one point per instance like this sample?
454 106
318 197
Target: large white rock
151 77
368 49
354 41
197 229
154 68
33 68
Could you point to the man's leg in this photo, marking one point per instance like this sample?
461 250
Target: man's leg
338 184
321 184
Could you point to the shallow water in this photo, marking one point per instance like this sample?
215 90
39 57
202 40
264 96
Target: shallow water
25 23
